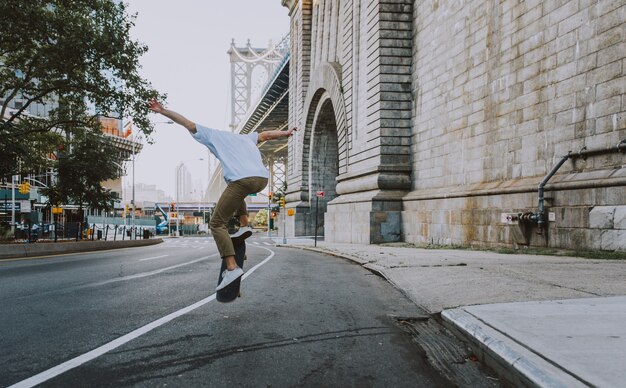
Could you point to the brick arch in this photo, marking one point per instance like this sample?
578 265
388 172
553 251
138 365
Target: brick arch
324 87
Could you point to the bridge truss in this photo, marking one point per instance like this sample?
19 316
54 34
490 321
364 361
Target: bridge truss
267 112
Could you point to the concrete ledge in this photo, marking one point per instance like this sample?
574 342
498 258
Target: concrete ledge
12 251
512 361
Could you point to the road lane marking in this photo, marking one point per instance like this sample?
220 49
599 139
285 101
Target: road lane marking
116 343
150 273
115 280
152 258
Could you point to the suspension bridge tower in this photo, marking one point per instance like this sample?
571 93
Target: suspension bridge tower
243 62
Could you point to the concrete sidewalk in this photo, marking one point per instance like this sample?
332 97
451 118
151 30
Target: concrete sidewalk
537 320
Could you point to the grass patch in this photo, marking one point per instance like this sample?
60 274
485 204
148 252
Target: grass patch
598 255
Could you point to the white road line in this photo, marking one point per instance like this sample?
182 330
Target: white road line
152 258
266 243
116 343
144 274
256 242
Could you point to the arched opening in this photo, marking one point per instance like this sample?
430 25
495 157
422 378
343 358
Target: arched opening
324 162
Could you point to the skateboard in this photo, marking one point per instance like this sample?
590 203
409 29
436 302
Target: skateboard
233 290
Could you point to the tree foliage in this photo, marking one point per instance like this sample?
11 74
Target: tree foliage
80 171
64 63
261 217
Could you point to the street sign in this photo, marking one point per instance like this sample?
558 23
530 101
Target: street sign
25 206
7 206
319 194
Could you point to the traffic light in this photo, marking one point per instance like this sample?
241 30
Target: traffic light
271 195
282 201
24 188
173 207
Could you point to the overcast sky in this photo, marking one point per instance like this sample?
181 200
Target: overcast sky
188 41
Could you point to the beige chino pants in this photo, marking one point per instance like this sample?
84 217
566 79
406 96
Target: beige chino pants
231 202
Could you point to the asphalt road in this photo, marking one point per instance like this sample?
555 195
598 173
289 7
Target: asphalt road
148 317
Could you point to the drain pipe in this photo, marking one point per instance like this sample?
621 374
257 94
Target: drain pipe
539 217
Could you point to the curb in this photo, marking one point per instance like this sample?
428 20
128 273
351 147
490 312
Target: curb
510 359
15 251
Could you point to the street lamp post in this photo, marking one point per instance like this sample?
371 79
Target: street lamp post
177 201
132 201
122 174
13 179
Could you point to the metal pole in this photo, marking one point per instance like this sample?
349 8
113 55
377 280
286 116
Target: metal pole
123 198
133 199
284 228
13 203
269 200
269 218
317 199
177 203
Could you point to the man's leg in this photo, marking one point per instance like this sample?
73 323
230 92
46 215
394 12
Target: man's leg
252 185
230 200
242 213
244 230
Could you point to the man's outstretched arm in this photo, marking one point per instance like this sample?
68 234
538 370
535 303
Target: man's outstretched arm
156 107
269 135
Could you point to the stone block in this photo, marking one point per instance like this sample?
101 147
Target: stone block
601 217
619 218
613 240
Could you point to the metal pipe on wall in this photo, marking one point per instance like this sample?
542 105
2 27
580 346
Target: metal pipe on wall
539 217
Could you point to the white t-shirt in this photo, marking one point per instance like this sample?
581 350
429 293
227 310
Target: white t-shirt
238 154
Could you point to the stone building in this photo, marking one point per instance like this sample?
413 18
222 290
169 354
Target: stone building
435 121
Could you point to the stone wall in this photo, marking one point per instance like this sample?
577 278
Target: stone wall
448 114
503 90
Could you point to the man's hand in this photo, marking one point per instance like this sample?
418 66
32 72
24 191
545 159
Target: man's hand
155 106
291 131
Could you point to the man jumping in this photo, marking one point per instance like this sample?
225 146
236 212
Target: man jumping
244 174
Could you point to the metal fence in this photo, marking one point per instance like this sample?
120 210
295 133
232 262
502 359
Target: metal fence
80 231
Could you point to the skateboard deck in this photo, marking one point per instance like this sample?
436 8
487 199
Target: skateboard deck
232 291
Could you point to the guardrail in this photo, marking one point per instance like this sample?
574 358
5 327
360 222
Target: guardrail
80 231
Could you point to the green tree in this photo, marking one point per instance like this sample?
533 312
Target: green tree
261 217
80 171
73 61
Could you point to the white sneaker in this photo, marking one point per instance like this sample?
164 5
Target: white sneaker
229 277
241 235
